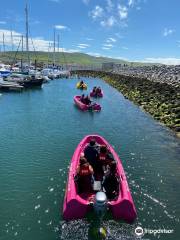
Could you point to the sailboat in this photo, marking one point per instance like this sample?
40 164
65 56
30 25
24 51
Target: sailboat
27 78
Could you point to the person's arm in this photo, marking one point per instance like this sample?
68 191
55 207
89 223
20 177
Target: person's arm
91 169
78 170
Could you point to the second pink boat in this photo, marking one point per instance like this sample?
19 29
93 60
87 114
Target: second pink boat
84 107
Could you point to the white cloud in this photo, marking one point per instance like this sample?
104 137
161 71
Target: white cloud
86 1
83 45
110 5
56 1
123 12
125 48
111 40
60 27
130 3
39 43
2 22
89 39
97 12
108 45
94 54
109 22
106 48
168 32
167 61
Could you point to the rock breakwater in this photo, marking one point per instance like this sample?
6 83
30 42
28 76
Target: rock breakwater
159 99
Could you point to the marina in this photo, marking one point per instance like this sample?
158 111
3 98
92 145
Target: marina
36 150
89 120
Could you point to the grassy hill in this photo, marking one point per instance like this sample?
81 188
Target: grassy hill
61 58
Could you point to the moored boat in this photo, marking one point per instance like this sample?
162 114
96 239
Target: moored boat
84 107
77 205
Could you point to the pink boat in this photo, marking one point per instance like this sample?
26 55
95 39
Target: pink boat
77 205
93 94
84 107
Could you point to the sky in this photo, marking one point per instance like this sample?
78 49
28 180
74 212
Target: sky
133 30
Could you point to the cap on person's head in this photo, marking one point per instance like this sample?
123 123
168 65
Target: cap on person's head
92 142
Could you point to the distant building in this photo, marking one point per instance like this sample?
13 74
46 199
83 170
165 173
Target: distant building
108 66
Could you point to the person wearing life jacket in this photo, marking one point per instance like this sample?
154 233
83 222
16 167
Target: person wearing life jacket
84 175
82 99
105 159
98 90
94 90
84 167
110 182
87 100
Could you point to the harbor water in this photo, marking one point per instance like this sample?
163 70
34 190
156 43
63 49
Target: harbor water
39 131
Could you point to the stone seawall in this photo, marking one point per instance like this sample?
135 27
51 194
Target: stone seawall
161 100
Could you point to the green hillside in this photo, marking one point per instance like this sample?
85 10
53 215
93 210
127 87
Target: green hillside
61 58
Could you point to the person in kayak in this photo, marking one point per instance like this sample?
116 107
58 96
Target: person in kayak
87 100
84 175
110 183
105 157
94 90
91 153
98 90
81 84
82 99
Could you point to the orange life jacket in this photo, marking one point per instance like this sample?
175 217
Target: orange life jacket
84 170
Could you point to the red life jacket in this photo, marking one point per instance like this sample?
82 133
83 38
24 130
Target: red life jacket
84 170
102 157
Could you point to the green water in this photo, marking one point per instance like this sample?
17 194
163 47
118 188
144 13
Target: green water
39 131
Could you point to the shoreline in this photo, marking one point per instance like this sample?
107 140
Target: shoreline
160 100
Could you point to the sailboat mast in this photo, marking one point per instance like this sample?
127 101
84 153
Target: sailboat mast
58 47
12 43
3 43
54 47
27 36
22 49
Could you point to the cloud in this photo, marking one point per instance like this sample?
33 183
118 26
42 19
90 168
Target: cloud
168 32
61 27
97 12
55 1
125 48
111 40
108 45
83 45
109 22
94 54
2 22
89 39
106 48
131 3
167 61
39 43
110 5
123 11
86 1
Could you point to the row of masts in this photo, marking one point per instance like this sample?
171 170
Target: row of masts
56 44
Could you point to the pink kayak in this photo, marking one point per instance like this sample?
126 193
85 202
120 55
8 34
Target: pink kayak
93 94
84 107
77 205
